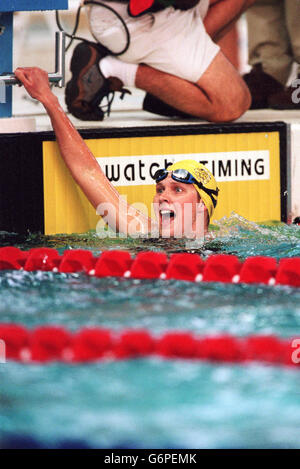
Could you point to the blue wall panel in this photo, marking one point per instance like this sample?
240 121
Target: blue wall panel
6 40
30 5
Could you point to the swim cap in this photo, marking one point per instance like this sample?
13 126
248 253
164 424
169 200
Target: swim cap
202 175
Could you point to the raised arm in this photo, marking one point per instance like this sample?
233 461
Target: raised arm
80 160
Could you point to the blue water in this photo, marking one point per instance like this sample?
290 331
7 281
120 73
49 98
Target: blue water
155 403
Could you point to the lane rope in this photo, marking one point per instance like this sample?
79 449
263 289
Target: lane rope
156 265
55 343
46 344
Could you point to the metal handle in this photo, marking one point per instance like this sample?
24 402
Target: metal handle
58 77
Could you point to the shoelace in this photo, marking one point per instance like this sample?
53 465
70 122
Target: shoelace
106 108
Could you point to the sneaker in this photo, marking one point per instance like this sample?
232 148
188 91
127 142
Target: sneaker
156 106
261 86
88 86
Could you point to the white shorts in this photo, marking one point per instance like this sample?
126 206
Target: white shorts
173 41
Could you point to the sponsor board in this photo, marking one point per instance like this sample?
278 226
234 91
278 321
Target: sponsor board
246 166
225 166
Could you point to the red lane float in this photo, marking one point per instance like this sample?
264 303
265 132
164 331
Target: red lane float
45 259
258 269
149 265
77 260
185 267
11 258
156 265
112 264
289 272
53 343
89 345
221 268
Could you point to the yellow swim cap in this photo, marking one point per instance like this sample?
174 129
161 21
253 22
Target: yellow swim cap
203 176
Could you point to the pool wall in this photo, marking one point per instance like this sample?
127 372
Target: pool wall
246 158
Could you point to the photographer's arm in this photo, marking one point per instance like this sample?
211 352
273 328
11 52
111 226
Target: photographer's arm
79 159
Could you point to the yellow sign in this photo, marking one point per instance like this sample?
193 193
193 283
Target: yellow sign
246 166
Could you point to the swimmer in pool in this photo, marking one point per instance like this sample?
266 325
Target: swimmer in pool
186 193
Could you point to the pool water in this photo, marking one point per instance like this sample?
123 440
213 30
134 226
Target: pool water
151 402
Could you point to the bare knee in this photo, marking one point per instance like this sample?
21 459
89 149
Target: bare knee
239 105
233 107
227 92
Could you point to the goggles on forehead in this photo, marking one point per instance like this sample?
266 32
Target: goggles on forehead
182 175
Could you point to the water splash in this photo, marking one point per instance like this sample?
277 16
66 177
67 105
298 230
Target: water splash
230 235
245 238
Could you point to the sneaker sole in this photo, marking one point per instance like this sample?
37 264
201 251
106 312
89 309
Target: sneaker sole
74 89
74 93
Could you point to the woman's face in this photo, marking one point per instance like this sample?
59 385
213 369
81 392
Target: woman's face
179 209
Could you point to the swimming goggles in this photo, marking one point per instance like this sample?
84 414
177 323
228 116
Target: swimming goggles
182 175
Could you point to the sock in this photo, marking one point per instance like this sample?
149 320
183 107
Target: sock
112 67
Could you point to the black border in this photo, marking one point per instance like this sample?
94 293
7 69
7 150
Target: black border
21 165
171 130
21 184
